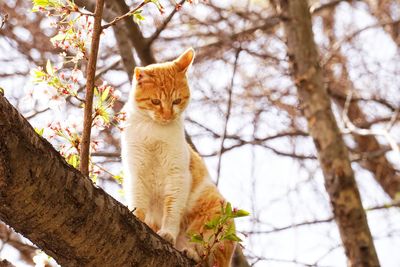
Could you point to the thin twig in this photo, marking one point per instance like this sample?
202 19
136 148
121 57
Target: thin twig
130 13
164 25
90 77
337 45
3 20
349 127
28 117
274 230
394 204
107 154
228 114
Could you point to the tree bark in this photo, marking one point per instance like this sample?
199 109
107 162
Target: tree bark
332 152
62 212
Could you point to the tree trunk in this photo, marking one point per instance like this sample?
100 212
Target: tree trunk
62 212
332 152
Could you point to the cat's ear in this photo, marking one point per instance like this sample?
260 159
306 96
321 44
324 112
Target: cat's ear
138 73
183 61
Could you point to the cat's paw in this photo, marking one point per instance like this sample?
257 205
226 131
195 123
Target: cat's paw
167 236
191 254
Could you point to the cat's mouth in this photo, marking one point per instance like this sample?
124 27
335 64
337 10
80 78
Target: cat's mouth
164 121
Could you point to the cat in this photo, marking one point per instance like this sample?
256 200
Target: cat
166 182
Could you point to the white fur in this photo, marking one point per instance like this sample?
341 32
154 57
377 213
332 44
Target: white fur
156 163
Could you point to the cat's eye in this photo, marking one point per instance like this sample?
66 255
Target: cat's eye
177 101
156 101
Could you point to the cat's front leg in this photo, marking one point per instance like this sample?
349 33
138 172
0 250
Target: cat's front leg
136 193
175 199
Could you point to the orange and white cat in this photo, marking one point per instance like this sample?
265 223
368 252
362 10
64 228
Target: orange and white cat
166 182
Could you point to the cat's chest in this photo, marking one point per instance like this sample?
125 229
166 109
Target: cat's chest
154 134
156 145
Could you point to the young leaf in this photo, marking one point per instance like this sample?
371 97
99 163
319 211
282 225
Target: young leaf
104 95
118 178
73 160
240 213
213 223
138 17
230 230
232 237
228 209
49 68
196 238
38 131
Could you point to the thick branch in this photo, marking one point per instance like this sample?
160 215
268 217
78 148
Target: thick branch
62 212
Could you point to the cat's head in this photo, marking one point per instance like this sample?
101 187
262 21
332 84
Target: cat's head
162 91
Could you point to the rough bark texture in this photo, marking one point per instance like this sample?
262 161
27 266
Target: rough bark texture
339 87
332 152
62 212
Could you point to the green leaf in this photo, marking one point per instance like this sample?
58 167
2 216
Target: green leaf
231 229
94 177
49 68
196 238
45 4
119 178
38 75
232 237
39 131
39 3
73 160
104 95
138 17
240 213
228 209
212 224
1 91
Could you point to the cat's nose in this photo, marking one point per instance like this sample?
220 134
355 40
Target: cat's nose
167 115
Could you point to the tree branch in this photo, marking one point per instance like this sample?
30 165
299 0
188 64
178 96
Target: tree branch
164 25
62 212
124 16
227 115
90 79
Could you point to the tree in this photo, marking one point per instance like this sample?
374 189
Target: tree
332 151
